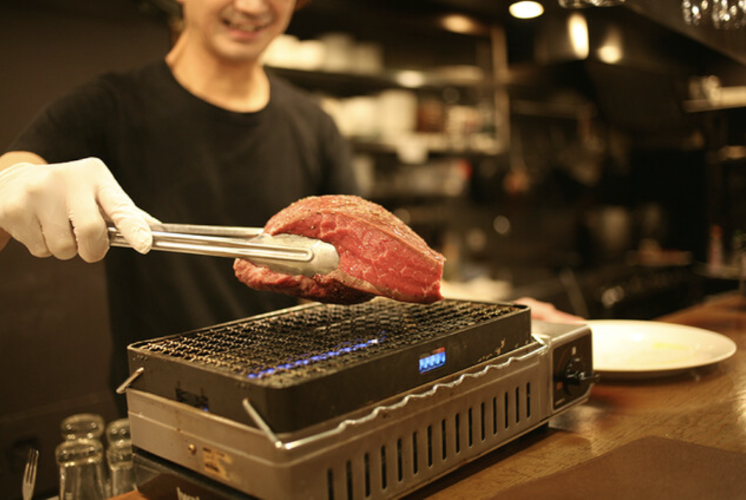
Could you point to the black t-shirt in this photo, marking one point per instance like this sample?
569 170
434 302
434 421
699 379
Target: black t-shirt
184 160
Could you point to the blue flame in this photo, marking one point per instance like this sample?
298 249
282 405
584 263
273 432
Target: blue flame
319 357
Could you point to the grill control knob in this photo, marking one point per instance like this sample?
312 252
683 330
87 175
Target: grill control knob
577 378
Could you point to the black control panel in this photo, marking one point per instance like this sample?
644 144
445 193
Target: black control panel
572 370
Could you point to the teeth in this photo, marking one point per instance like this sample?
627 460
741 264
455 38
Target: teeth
249 28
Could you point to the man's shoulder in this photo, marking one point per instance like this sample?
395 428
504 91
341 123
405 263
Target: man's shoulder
147 85
151 73
285 90
295 100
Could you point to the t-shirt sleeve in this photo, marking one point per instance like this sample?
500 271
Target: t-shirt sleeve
72 127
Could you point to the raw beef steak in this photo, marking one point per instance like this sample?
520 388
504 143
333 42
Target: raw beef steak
379 254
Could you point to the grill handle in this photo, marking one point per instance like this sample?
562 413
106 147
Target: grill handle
122 389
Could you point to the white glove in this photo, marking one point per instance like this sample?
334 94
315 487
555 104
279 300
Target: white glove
62 210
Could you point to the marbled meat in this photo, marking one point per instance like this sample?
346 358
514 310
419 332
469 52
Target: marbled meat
379 254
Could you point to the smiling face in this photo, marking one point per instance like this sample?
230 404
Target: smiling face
235 30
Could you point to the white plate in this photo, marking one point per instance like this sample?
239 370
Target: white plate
629 348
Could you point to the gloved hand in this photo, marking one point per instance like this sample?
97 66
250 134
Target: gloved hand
62 210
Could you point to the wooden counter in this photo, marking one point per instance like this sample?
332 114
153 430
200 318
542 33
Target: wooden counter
705 406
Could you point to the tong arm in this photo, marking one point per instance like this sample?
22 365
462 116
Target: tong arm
290 254
205 230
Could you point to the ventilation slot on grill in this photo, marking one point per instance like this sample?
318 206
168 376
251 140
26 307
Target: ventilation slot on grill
348 475
482 416
506 409
429 445
415 464
399 466
330 484
366 460
458 433
444 442
383 468
471 428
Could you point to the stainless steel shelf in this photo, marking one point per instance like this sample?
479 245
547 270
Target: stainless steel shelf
704 105
392 78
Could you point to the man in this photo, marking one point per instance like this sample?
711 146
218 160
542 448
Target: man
204 137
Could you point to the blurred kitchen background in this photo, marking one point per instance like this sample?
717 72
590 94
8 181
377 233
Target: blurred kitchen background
592 157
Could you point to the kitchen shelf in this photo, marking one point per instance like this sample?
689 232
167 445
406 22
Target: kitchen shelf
436 144
704 105
468 81
725 98
567 111
389 78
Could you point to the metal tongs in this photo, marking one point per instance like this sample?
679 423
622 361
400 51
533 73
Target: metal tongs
283 253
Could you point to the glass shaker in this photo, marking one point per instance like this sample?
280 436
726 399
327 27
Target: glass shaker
82 426
81 470
119 456
117 430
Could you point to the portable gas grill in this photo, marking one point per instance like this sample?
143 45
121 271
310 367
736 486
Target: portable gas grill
325 401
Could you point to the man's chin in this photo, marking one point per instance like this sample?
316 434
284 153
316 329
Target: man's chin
239 54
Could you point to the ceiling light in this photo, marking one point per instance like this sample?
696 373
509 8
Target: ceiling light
410 79
526 9
578 29
611 50
459 24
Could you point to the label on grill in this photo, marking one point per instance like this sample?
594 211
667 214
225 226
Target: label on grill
433 360
215 461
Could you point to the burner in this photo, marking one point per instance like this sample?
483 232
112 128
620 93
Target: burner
356 402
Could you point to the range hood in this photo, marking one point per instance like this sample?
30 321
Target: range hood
634 62
728 42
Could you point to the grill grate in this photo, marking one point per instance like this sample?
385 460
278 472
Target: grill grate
319 340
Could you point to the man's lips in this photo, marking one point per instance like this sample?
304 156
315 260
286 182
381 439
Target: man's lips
244 26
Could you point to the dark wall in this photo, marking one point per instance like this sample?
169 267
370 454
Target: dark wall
54 333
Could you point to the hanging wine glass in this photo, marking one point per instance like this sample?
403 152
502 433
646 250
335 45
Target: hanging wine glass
697 12
574 4
728 14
